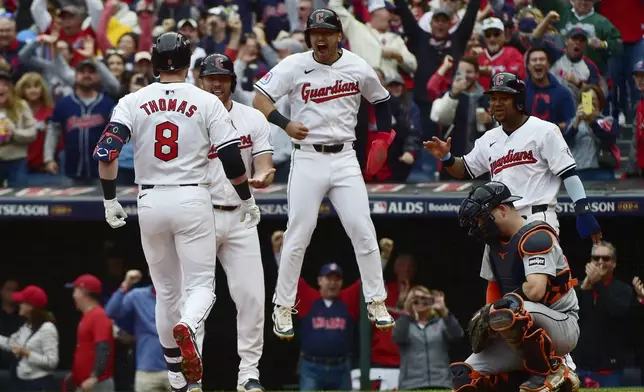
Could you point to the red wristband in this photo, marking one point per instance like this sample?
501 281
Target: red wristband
641 300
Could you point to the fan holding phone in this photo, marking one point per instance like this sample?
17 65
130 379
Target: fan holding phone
423 335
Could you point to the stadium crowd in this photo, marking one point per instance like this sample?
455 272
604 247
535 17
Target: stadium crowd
64 64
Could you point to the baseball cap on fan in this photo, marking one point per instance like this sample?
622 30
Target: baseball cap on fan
33 295
376 5
493 23
442 12
142 56
577 32
71 10
88 282
331 269
639 66
184 22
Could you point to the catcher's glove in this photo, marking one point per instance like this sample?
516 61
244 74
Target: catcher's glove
479 329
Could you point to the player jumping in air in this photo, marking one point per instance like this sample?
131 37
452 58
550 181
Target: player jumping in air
237 246
530 320
325 87
173 125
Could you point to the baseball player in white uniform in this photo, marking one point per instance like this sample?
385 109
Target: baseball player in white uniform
527 154
238 247
325 87
173 125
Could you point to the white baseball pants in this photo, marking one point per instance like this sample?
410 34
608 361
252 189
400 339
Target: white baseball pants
313 176
239 253
178 238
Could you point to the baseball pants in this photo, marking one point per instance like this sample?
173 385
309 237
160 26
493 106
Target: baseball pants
313 176
499 357
239 253
178 239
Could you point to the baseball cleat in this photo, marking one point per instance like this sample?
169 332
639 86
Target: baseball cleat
379 315
191 365
552 382
283 321
251 385
196 387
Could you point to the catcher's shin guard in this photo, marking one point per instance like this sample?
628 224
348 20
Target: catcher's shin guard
466 379
514 323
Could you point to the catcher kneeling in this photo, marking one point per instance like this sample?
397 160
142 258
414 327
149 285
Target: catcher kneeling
530 321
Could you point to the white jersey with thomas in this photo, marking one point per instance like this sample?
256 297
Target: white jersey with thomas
173 127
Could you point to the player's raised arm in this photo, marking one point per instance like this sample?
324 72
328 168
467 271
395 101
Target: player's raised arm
455 166
107 151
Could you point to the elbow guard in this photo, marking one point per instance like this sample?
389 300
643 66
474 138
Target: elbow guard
231 160
383 116
111 142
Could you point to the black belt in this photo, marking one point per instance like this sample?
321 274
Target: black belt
324 361
539 208
330 148
144 187
225 208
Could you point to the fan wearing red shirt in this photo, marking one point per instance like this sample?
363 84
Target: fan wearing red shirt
70 29
497 57
638 162
93 367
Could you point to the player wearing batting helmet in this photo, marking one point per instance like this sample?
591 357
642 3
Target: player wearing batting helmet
218 64
238 249
171 52
320 21
535 310
528 154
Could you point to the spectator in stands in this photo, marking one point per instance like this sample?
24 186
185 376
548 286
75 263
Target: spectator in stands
126 159
10 319
406 122
463 111
627 17
190 28
592 138
374 42
70 29
304 10
143 64
32 89
81 118
9 48
279 50
135 306
35 344
535 25
17 131
638 286
55 71
455 7
217 34
93 366
424 333
545 97
116 62
569 66
431 48
328 320
605 40
636 158
497 57
604 305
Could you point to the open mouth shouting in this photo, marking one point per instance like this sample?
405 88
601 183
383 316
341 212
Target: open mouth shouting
322 47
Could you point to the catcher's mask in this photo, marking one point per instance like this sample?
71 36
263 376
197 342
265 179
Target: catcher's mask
476 210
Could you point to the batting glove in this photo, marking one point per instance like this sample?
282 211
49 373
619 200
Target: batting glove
114 214
249 207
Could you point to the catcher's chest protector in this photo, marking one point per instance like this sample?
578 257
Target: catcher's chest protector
506 260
